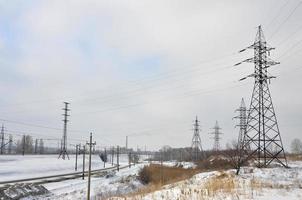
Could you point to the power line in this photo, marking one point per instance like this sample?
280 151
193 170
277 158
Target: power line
285 20
137 81
36 125
194 93
290 36
290 48
278 13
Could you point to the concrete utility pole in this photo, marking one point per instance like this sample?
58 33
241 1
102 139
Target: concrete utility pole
105 157
161 168
118 158
76 160
2 139
129 159
83 171
126 143
112 156
10 144
89 170
64 146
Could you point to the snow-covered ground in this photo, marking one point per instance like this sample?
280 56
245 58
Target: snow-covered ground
252 183
174 163
113 184
14 167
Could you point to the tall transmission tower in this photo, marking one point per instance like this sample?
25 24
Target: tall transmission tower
64 139
261 141
242 122
216 137
196 141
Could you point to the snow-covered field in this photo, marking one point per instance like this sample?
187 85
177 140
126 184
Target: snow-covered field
252 183
14 167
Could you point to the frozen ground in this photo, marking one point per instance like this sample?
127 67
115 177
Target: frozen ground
174 163
14 167
252 183
115 183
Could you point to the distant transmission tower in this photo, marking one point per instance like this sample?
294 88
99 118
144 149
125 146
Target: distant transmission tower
242 122
262 141
216 137
64 139
196 141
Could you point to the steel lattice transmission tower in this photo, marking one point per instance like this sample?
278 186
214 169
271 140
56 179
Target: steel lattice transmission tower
216 137
64 138
261 141
197 151
242 116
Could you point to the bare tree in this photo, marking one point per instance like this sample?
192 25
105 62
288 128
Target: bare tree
296 146
41 146
25 144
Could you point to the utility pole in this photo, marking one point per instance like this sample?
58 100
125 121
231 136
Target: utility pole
105 157
76 160
262 132
112 155
196 141
10 144
83 171
23 146
118 158
180 153
216 137
2 139
89 169
64 147
126 143
161 168
129 159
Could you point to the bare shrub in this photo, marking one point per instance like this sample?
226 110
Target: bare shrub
157 174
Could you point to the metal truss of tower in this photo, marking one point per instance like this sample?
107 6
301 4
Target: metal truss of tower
262 141
216 137
242 122
197 152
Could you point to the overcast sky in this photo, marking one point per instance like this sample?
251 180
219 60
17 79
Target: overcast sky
143 68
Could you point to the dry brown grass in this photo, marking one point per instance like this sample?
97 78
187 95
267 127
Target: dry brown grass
294 157
215 163
221 183
151 176
155 174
